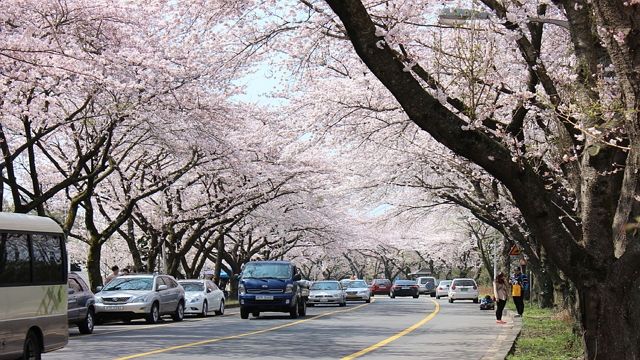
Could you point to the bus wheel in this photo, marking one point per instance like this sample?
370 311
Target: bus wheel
32 349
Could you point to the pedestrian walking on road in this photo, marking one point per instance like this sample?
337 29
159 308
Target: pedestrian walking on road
115 273
500 293
517 293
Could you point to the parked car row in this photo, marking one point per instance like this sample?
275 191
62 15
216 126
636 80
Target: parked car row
140 296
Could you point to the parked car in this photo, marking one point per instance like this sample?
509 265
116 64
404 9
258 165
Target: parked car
305 285
443 288
327 292
427 285
81 304
270 286
463 289
130 297
358 290
202 297
405 288
380 286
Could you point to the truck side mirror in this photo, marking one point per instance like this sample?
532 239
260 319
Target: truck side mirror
297 277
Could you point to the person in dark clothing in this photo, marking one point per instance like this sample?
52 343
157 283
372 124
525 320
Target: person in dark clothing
517 291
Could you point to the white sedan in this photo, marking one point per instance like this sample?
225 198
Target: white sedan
202 297
358 290
463 289
443 288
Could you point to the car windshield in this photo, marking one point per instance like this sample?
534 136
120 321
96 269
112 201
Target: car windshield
405 282
381 282
325 286
445 282
192 286
357 284
129 284
465 283
266 271
427 280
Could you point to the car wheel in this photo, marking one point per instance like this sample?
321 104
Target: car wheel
154 315
302 308
368 301
126 321
32 348
343 304
438 297
311 305
179 314
393 296
433 294
221 310
244 313
416 296
475 301
86 327
293 313
205 309
372 294
451 301
255 313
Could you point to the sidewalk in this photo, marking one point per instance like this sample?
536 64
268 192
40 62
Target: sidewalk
506 339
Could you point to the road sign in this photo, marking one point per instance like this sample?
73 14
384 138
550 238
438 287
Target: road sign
515 251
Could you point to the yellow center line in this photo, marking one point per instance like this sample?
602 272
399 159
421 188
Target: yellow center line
214 340
396 336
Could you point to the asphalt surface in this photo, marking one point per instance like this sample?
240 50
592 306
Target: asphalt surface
400 328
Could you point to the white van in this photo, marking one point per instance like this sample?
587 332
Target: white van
33 286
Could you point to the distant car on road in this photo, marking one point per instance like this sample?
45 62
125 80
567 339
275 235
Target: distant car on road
140 296
358 290
380 287
463 289
327 292
427 285
443 288
81 304
405 288
202 297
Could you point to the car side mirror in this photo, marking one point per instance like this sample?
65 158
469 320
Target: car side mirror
236 276
297 277
70 291
162 287
208 290
99 288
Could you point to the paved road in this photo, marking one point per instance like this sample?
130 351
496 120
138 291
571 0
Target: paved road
385 329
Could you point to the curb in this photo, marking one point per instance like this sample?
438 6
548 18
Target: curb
506 341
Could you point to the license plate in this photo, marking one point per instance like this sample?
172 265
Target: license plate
324 300
264 297
114 308
405 288
382 287
463 289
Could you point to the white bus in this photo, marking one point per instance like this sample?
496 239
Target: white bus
33 286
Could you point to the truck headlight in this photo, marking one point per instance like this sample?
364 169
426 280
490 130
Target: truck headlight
288 289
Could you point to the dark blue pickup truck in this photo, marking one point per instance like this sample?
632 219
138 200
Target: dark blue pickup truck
270 286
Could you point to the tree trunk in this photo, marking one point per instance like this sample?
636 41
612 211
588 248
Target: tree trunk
610 314
93 264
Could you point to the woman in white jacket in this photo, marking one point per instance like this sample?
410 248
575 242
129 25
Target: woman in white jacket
500 294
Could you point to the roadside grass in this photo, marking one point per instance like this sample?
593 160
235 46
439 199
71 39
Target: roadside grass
546 334
230 302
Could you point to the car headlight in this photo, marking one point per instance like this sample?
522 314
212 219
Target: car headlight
196 299
98 300
141 299
289 289
241 289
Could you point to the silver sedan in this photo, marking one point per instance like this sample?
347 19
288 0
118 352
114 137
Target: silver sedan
326 292
202 297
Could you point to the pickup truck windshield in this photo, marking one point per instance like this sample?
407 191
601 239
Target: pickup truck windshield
266 271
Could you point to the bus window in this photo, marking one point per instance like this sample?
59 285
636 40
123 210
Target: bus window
48 267
15 266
